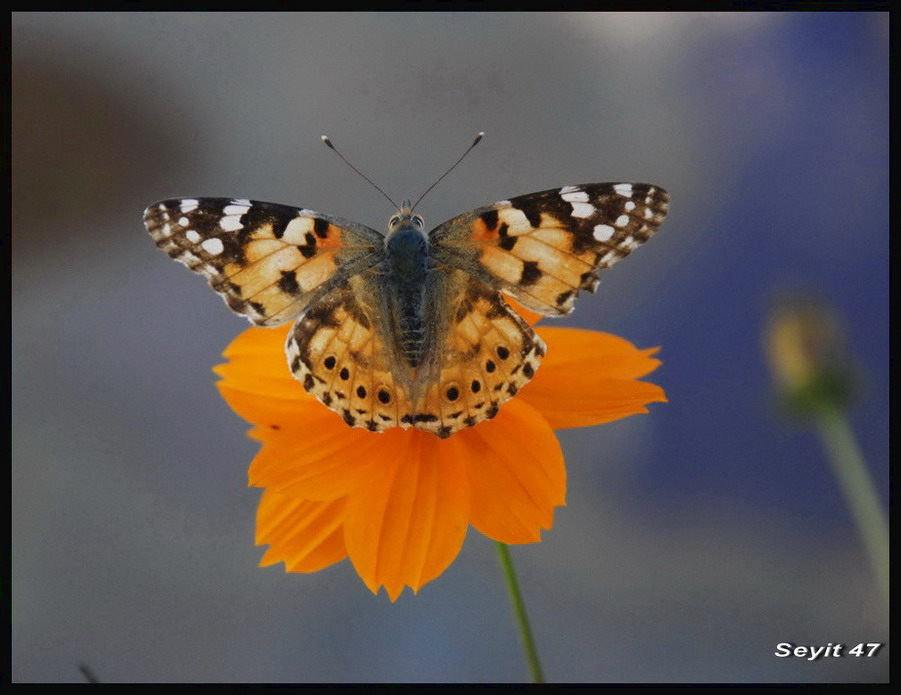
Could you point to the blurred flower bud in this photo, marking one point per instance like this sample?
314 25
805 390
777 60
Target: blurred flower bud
808 352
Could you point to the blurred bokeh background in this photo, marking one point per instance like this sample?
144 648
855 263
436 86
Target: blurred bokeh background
696 538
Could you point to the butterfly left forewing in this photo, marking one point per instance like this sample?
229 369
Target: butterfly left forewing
267 261
543 248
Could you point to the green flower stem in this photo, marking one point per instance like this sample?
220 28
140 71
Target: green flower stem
857 486
519 608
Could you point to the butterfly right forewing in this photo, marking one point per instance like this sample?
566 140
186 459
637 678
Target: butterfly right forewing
543 248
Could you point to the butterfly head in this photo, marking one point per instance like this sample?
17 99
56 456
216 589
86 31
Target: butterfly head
404 218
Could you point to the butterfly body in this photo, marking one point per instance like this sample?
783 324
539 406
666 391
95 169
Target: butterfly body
410 329
407 284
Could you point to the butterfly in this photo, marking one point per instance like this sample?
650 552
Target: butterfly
410 329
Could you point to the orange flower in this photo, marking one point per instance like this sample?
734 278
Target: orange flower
398 504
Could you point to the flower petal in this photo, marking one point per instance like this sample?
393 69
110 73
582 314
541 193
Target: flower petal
257 383
318 456
266 410
408 523
516 474
604 354
588 378
307 536
256 361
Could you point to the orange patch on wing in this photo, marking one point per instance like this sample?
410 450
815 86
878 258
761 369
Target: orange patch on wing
481 232
332 239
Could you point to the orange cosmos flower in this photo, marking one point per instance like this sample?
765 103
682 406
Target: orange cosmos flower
399 503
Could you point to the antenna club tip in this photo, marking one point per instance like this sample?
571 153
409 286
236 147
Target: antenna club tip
327 141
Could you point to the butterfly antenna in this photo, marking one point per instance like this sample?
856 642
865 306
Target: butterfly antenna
474 143
328 142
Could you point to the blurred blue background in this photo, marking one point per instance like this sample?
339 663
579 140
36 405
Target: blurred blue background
695 538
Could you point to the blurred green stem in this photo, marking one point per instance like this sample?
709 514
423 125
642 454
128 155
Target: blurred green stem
860 494
519 608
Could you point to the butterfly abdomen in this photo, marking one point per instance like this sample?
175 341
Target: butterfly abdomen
407 251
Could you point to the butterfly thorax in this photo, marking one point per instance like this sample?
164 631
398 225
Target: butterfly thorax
408 262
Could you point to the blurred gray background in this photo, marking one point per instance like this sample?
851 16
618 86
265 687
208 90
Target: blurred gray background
695 538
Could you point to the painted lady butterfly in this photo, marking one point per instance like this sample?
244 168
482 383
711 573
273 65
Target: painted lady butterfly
410 329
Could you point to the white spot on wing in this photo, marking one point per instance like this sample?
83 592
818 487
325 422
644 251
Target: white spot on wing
192 236
296 231
231 223
576 196
583 209
213 246
236 209
630 205
516 220
624 189
603 232
622 221
189 204
241 201
183 221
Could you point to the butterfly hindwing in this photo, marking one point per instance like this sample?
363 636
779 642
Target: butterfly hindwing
345 353
543 248
268 261
488 352
340 355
